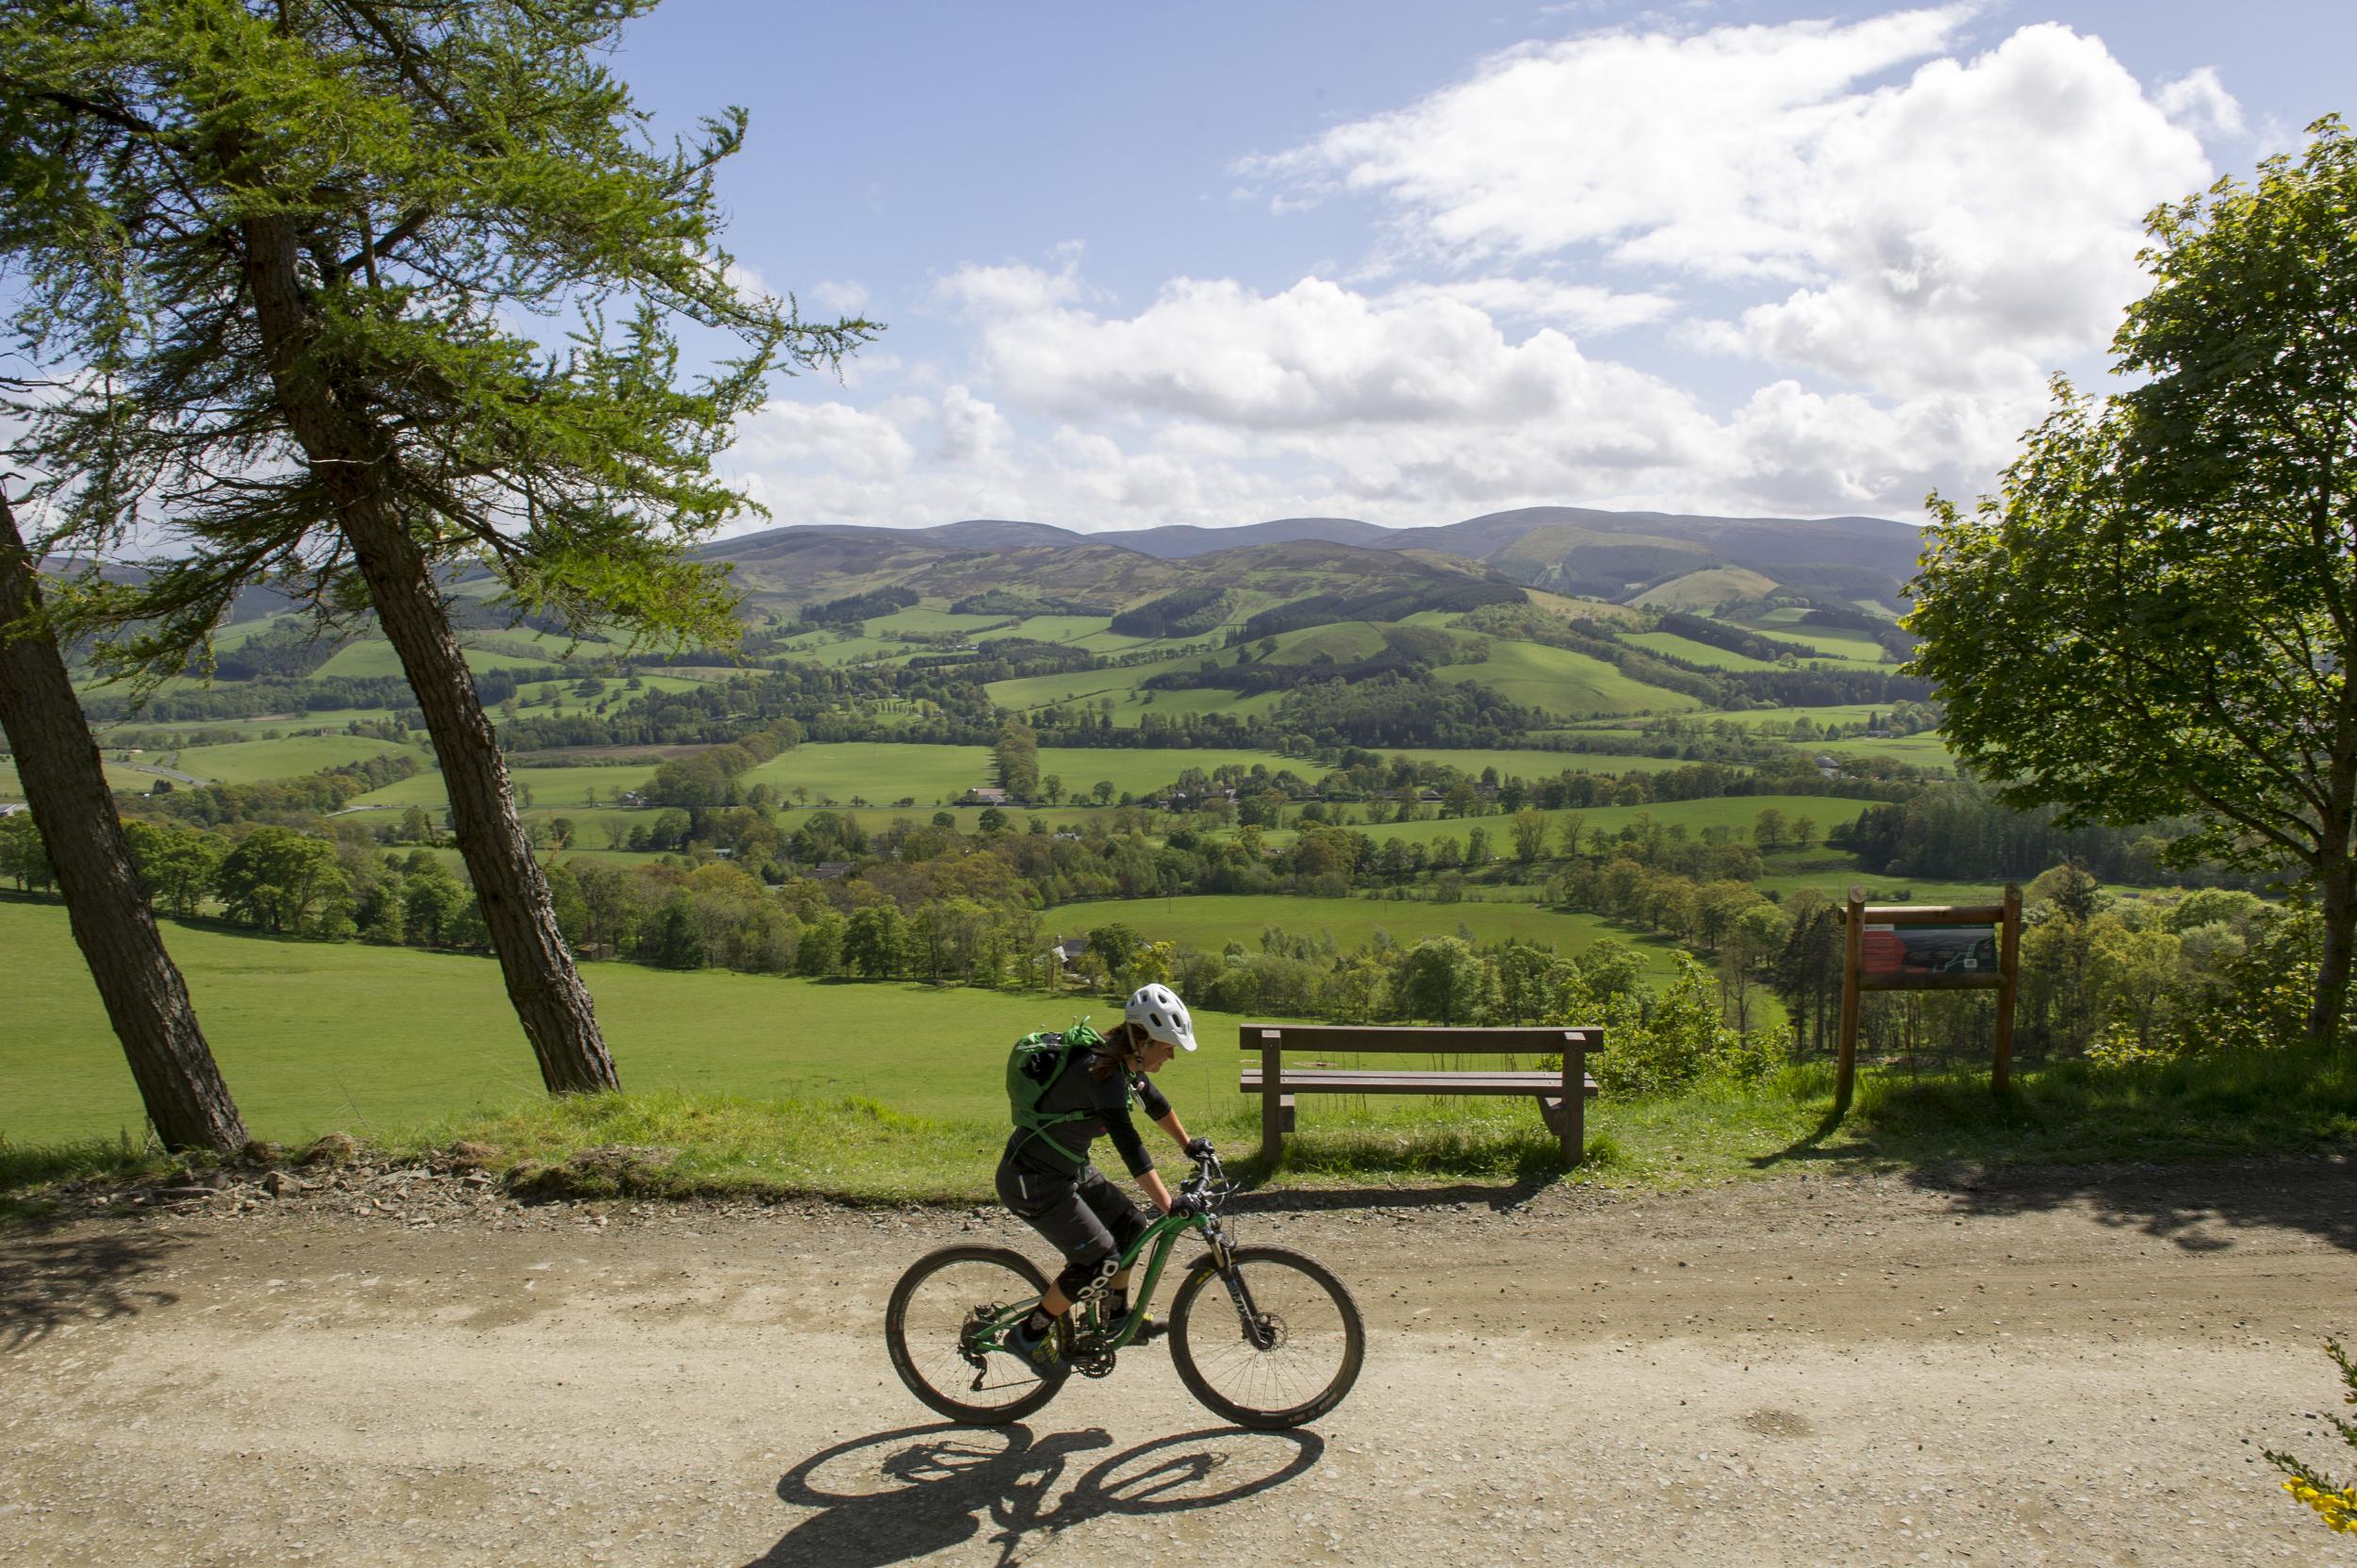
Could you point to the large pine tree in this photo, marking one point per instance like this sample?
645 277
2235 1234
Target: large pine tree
146 1000
272 254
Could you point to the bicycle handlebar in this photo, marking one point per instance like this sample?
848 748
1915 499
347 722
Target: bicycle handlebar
1207 1189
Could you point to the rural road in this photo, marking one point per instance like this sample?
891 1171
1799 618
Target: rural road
2049 1367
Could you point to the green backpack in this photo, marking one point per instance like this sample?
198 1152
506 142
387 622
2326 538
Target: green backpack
1033 1066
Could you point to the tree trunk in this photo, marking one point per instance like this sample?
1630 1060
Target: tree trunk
2336 892
146 1000
348 455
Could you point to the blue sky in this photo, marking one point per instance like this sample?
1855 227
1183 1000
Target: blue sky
1214 263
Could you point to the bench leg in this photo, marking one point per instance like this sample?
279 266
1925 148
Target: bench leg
1572 1132
1274 1103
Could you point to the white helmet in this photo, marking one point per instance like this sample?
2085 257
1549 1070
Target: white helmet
1157 1009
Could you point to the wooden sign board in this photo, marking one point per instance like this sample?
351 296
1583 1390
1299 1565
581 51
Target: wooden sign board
1929 948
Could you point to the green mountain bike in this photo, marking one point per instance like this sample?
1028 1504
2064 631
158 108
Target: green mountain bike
1278 1344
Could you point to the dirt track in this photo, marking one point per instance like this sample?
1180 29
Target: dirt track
2057 1367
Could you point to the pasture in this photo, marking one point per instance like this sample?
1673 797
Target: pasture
387 1038
1926 750
1693 653
550 786
881 771
1208 923
1136 772
1532 765
1834 644
1732 811
291 756
1559 681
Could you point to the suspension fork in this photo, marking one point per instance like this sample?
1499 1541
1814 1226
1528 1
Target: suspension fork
1248 1316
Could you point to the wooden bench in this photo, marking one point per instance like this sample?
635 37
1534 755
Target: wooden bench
1562 1094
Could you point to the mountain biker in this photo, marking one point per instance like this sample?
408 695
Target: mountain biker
1046 1177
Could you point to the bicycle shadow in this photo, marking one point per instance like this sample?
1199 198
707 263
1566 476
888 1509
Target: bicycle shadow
947 1485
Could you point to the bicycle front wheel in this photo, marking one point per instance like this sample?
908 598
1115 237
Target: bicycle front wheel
942 1310
1289 1359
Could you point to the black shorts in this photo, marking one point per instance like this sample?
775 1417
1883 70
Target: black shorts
1088 1218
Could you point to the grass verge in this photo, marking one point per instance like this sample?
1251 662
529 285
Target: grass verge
681 1145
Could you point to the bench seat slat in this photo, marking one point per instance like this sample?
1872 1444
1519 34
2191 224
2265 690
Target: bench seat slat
1351 1080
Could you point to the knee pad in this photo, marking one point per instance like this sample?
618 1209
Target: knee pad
1086 1279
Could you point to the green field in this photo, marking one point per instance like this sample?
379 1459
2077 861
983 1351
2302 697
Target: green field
877 770
1700 592
919 620
1076 629
1131 704
1832 644
1694 652
1557 681
122 778
375 656
1926 750
1136 772
550 786
1208 923
1035 691
1538 765
1343 642
1735 811
290 757
384 1036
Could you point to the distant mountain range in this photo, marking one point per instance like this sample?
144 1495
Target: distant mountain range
1688 562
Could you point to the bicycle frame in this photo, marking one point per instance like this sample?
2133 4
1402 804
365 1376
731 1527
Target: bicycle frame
1161 1236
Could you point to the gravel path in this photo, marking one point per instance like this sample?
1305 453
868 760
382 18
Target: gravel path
2054 1367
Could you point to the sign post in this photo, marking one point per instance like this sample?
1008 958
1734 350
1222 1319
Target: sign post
1929 948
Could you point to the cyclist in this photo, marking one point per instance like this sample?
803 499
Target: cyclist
1046 1177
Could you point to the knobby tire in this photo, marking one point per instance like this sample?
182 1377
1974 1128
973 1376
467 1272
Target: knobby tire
921 1332
1259 1388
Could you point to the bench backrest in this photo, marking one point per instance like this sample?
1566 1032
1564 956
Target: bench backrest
1518 1039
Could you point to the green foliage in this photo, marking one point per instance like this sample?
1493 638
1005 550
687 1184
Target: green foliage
279 879
24 855
2158 614
386 187
1017 758
1188 612
2335 1503
851 610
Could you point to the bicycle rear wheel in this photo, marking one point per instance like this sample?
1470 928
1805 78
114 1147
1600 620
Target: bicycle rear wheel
1290 1362
939 1309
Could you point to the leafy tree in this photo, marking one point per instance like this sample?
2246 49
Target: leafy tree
875 942
79 842
1530 835
1017 757
175 864
276 877
433 906
22 854
1439 978
274 253
2158 615
1116 947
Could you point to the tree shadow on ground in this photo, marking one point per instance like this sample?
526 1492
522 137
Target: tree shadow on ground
2194 1200
899 1496
1536 1164
2196 1207
49 1280
1499 1196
